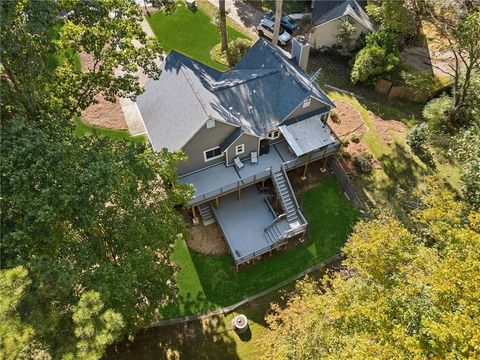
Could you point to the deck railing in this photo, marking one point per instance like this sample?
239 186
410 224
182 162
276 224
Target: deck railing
263 175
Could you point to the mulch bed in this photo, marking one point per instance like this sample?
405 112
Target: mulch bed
206 240
105 113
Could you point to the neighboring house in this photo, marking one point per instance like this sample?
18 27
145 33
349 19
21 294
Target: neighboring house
240 128
327 18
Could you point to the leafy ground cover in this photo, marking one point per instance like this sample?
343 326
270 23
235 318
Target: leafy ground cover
192 33
207 282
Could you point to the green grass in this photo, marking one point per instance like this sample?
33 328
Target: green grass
207 282
188 32
83 129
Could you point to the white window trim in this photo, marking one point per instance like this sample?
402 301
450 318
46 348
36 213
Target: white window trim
212 158
307 102
271 135
210 123
242 146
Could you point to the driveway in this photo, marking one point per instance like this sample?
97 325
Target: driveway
243 14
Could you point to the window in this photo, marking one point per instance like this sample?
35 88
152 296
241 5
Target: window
323 117
306 102
210 123
239 149
212 154
273 135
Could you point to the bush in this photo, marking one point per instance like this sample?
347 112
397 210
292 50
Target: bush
344 140
236 49
421 81
363 162
334 116
342 154
436 112
371 62
355 138
417 139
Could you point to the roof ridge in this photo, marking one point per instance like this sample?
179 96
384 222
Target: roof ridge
219 86
195 92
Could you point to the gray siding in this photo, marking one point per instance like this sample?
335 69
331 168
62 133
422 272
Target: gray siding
251 144
203 140
314 106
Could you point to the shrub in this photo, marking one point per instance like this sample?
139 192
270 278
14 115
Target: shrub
363 162
355 138
421 81
436 111
342 154
334 116
371 62
236 49
417 139
344 140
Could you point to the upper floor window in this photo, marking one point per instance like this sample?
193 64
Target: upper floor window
306 102
210 123
323 117
212 154
273 135
239 149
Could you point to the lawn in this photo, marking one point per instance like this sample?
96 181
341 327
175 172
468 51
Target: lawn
208 282
84 129
402 170
191 33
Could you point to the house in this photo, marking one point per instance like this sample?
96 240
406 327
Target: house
241 129
327 18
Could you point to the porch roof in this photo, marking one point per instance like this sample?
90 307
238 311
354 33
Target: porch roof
308 135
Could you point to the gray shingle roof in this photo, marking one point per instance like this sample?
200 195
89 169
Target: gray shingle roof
328 10
256 95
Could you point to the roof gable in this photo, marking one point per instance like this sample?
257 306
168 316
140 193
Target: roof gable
326 11
256 95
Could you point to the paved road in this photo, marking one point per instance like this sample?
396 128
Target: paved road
242 13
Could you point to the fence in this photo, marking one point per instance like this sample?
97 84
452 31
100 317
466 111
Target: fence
346 183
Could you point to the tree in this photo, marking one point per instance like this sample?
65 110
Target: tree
402 293
94 329
457 24
87 213
278 17
371 62
168 6
223 25
344 35
394 17
108 31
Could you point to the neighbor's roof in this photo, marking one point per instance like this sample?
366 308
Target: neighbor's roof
256 95
328 10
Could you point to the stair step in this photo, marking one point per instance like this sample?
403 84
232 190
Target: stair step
277 231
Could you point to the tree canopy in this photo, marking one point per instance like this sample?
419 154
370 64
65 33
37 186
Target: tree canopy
91 219
402 293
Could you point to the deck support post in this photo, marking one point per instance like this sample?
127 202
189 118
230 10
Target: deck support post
217 202
193 212
325 162
263 184
239 194
304 176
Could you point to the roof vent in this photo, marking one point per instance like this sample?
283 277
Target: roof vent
230 109
250 108
254 76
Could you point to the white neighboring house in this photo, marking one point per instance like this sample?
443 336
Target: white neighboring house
327 17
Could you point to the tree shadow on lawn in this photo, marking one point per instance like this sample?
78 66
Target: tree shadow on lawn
199 339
